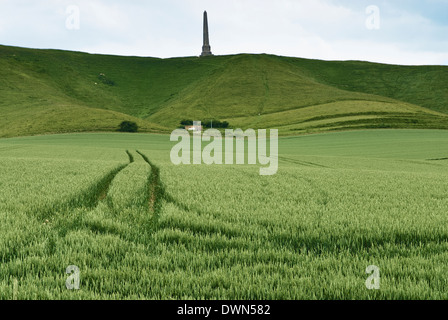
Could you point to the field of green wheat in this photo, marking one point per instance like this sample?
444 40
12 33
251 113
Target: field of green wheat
138 227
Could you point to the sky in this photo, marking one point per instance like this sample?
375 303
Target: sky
406 32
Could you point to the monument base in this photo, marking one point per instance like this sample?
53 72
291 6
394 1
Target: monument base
206 51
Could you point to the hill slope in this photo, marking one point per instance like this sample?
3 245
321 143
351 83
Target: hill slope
47 91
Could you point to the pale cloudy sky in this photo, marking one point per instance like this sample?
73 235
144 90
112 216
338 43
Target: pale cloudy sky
388 31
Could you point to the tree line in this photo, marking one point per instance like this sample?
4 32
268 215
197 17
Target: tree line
216 124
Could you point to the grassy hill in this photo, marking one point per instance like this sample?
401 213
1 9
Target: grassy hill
51 91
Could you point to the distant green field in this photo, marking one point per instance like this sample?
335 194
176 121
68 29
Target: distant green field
139 227
51 91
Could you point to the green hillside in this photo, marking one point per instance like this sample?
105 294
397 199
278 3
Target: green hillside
51 91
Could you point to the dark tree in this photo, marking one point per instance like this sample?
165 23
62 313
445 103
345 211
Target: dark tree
216 124
186 122
128 126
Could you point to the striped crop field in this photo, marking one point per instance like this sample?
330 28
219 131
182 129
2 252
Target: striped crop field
138 227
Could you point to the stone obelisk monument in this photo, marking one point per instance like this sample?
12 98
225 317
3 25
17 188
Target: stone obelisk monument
206 49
